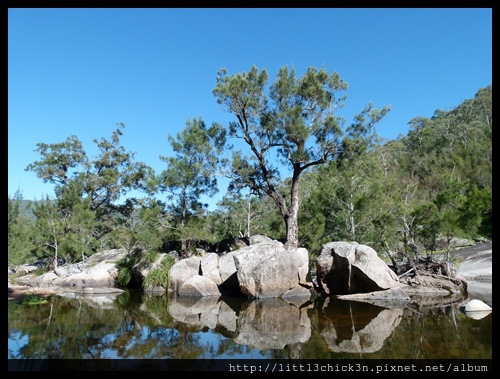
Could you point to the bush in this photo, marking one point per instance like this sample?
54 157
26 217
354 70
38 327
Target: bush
160 276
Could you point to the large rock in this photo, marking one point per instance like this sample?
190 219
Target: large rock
103 274
98 271
475 263
184 270
262 270
229 275
348 268
210 267
259 238
301 257
199 286
268 270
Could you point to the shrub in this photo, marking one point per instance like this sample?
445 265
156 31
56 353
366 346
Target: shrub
160 276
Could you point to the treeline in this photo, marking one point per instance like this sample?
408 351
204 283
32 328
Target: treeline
398 196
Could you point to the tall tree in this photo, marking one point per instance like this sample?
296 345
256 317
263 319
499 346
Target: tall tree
99 183
50 229
103 180
191 172
296 129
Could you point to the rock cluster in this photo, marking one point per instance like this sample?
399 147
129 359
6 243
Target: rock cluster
258 267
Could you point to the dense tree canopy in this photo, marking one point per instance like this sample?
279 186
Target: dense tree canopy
192 173
399 196
88 205
294 127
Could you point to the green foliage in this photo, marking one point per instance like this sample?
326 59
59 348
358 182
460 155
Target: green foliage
148 256
428 221
160 276
124 276
475 212
436 181
293 127
150 226
447 160
19 231
34 300
124 267
94 185
241 215
414 189
190 174
157 305
49 228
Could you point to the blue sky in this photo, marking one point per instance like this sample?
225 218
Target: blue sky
80 71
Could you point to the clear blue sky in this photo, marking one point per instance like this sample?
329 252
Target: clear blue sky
82 71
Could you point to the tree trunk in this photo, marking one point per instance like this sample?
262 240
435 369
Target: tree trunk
351 221
249 214
55 259
292 233
291 221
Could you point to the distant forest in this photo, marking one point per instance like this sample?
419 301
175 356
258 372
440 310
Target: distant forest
398 196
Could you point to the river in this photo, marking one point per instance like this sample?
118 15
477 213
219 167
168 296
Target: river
139 326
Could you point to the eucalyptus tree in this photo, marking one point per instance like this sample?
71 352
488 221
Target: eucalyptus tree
453 204
293 128
191 173
393 204
232 216
49 229
449 158
244 215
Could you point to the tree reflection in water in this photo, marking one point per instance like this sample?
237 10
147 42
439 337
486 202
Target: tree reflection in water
147 326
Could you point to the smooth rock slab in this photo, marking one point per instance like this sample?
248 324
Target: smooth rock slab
475 306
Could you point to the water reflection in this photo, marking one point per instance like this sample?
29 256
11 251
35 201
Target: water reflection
260 324
137 325
355 327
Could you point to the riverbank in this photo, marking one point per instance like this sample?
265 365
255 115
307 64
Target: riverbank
475 265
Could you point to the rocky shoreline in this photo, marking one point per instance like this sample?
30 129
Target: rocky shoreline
474 265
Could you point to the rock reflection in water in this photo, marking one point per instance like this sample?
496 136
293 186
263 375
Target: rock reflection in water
346 326
151 326
100 301
272 324
197 311
357 327
260 323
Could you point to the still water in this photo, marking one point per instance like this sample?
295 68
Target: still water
135 325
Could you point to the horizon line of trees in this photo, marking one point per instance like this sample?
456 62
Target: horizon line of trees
345 183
